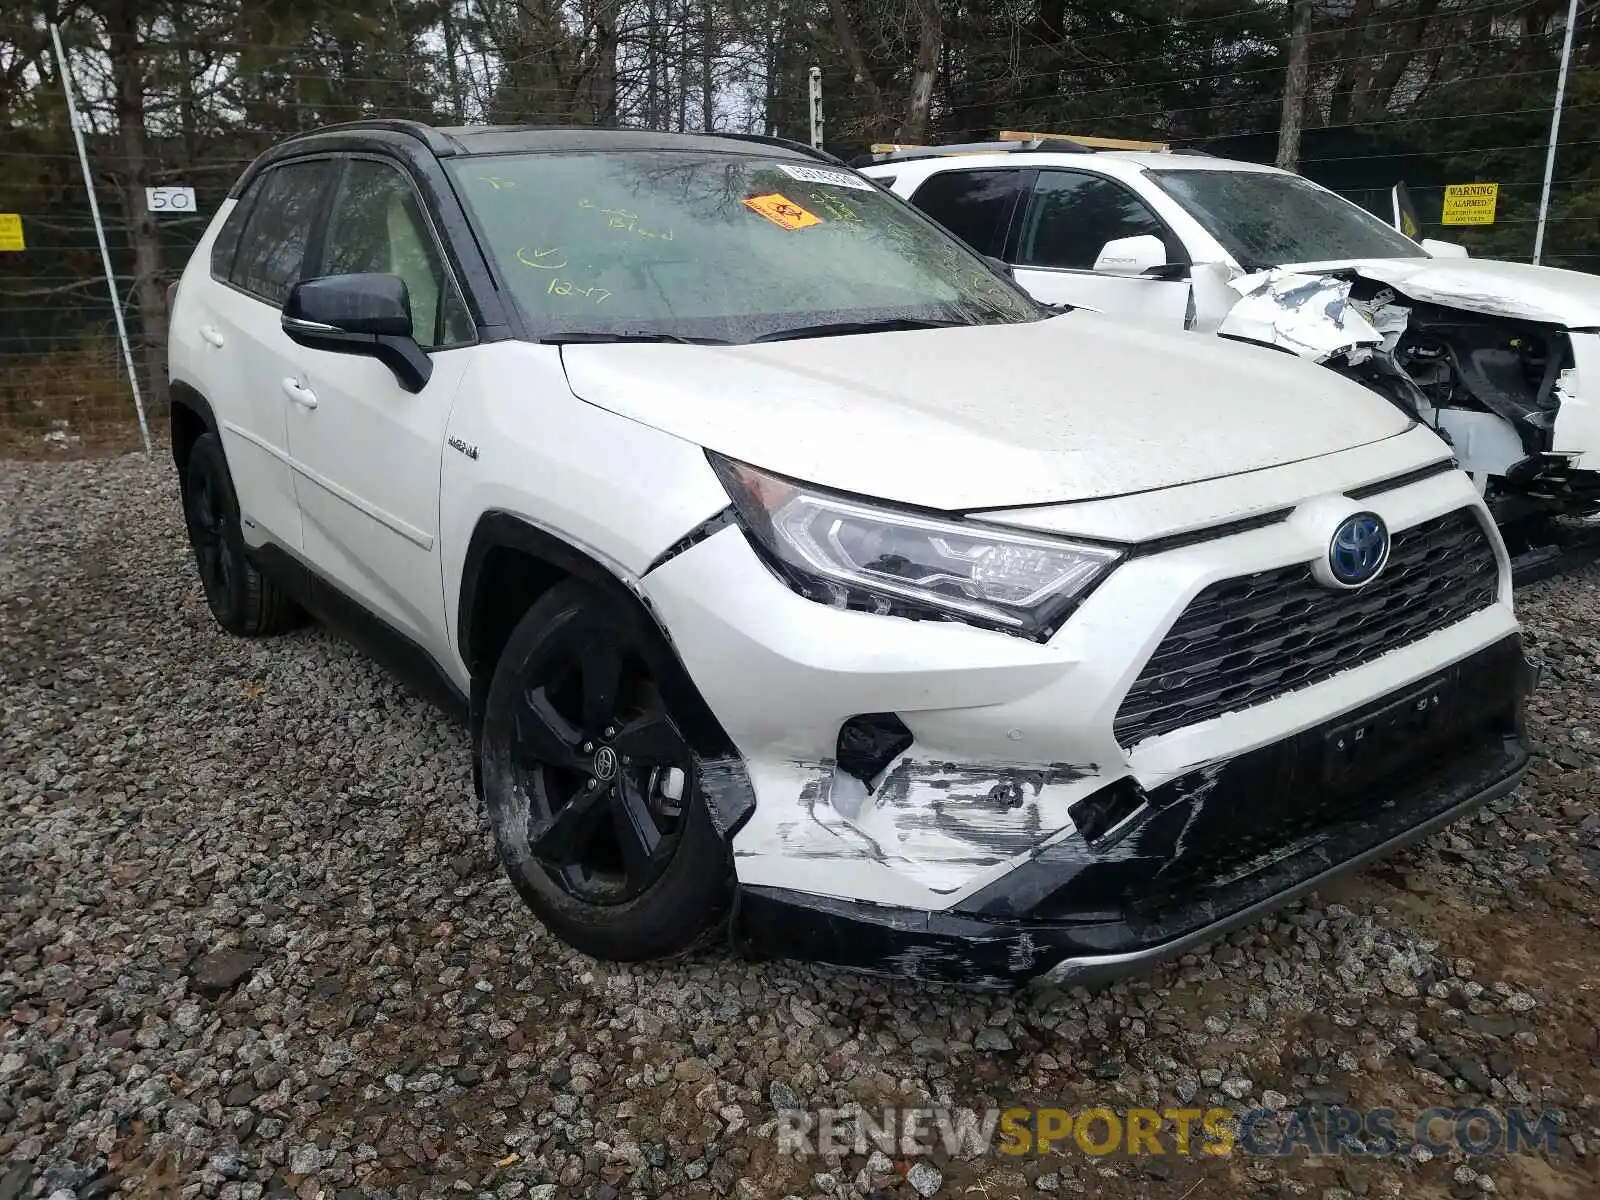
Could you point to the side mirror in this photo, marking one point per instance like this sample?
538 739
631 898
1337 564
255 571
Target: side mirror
1438 249
1141 255
359 314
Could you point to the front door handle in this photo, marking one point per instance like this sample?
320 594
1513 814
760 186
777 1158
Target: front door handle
211 334
299 393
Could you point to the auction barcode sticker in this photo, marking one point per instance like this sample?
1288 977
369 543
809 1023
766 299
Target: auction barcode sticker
823 175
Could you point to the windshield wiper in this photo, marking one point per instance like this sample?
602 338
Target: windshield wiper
587 337
840 328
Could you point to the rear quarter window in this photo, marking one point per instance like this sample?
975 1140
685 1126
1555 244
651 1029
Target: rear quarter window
226 244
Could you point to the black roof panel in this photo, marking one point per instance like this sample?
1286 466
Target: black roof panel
452 141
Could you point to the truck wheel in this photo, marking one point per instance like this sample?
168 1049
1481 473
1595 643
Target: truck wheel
593 794
243 601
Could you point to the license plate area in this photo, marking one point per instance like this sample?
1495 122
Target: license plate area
1401 731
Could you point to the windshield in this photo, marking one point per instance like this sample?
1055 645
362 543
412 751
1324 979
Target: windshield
1265 219
718 247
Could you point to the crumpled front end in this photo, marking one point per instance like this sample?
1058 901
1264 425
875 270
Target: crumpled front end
1517 397
956 803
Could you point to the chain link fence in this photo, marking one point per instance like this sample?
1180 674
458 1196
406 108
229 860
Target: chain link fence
64 388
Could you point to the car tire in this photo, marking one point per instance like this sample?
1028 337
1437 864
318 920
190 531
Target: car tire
612 851
243 601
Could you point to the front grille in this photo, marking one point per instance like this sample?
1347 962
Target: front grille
1245 641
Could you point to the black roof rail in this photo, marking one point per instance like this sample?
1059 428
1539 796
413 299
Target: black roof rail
435 139
1192 150
783 143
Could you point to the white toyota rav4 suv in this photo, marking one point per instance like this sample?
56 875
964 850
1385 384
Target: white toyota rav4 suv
801 581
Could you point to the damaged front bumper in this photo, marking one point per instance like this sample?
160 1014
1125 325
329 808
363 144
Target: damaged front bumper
1201 854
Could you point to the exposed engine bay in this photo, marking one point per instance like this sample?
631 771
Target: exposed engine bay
1492 386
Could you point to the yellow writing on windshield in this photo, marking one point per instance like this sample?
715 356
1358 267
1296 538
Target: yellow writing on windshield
544 260
836 207
565 287
625 221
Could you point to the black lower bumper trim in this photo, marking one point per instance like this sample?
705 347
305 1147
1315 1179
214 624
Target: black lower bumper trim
1019 929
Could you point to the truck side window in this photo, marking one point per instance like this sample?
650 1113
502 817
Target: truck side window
1071 215
976 206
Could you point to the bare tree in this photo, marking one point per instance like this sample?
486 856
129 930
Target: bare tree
924 71
1294 86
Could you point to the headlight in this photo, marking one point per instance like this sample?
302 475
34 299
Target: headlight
847 553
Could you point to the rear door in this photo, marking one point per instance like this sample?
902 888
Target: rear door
1068 218
366 451
978 206
281 212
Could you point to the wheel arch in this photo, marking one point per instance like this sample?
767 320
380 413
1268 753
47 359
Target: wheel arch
191 418
509 564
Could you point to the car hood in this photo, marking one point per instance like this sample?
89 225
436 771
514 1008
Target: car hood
1486 285
1072 408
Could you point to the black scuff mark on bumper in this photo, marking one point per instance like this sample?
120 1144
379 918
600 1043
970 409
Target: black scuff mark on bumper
993 807
926 815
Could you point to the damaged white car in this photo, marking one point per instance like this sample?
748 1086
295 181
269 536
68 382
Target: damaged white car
1501 358
680 469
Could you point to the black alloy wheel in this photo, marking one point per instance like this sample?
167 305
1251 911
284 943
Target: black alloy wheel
591 788
243 600
605 769
215 556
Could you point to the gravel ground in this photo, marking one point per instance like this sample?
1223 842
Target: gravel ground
256 944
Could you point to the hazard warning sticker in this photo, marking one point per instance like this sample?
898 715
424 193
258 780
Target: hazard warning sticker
781 210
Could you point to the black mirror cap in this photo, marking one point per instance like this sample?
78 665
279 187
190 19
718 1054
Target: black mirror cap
359 314
374 304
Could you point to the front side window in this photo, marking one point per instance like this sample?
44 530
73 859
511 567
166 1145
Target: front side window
272 248
1268 219
377 225
717 247
1072 215
976 206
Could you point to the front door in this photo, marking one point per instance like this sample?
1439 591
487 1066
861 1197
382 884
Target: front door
366 451
1068 219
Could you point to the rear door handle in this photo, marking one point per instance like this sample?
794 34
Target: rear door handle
299 393
212 334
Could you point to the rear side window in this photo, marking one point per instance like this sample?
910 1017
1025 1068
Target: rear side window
976 206
227 243
1071 215
272 248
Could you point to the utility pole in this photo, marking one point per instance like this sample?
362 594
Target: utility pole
816 106
1555 128
1294 86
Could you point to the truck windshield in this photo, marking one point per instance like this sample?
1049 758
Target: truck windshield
698 246
1265 219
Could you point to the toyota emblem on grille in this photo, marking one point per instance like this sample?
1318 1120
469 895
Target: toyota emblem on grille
1359 549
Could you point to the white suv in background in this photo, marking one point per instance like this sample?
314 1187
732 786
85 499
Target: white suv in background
1501 358
801 581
